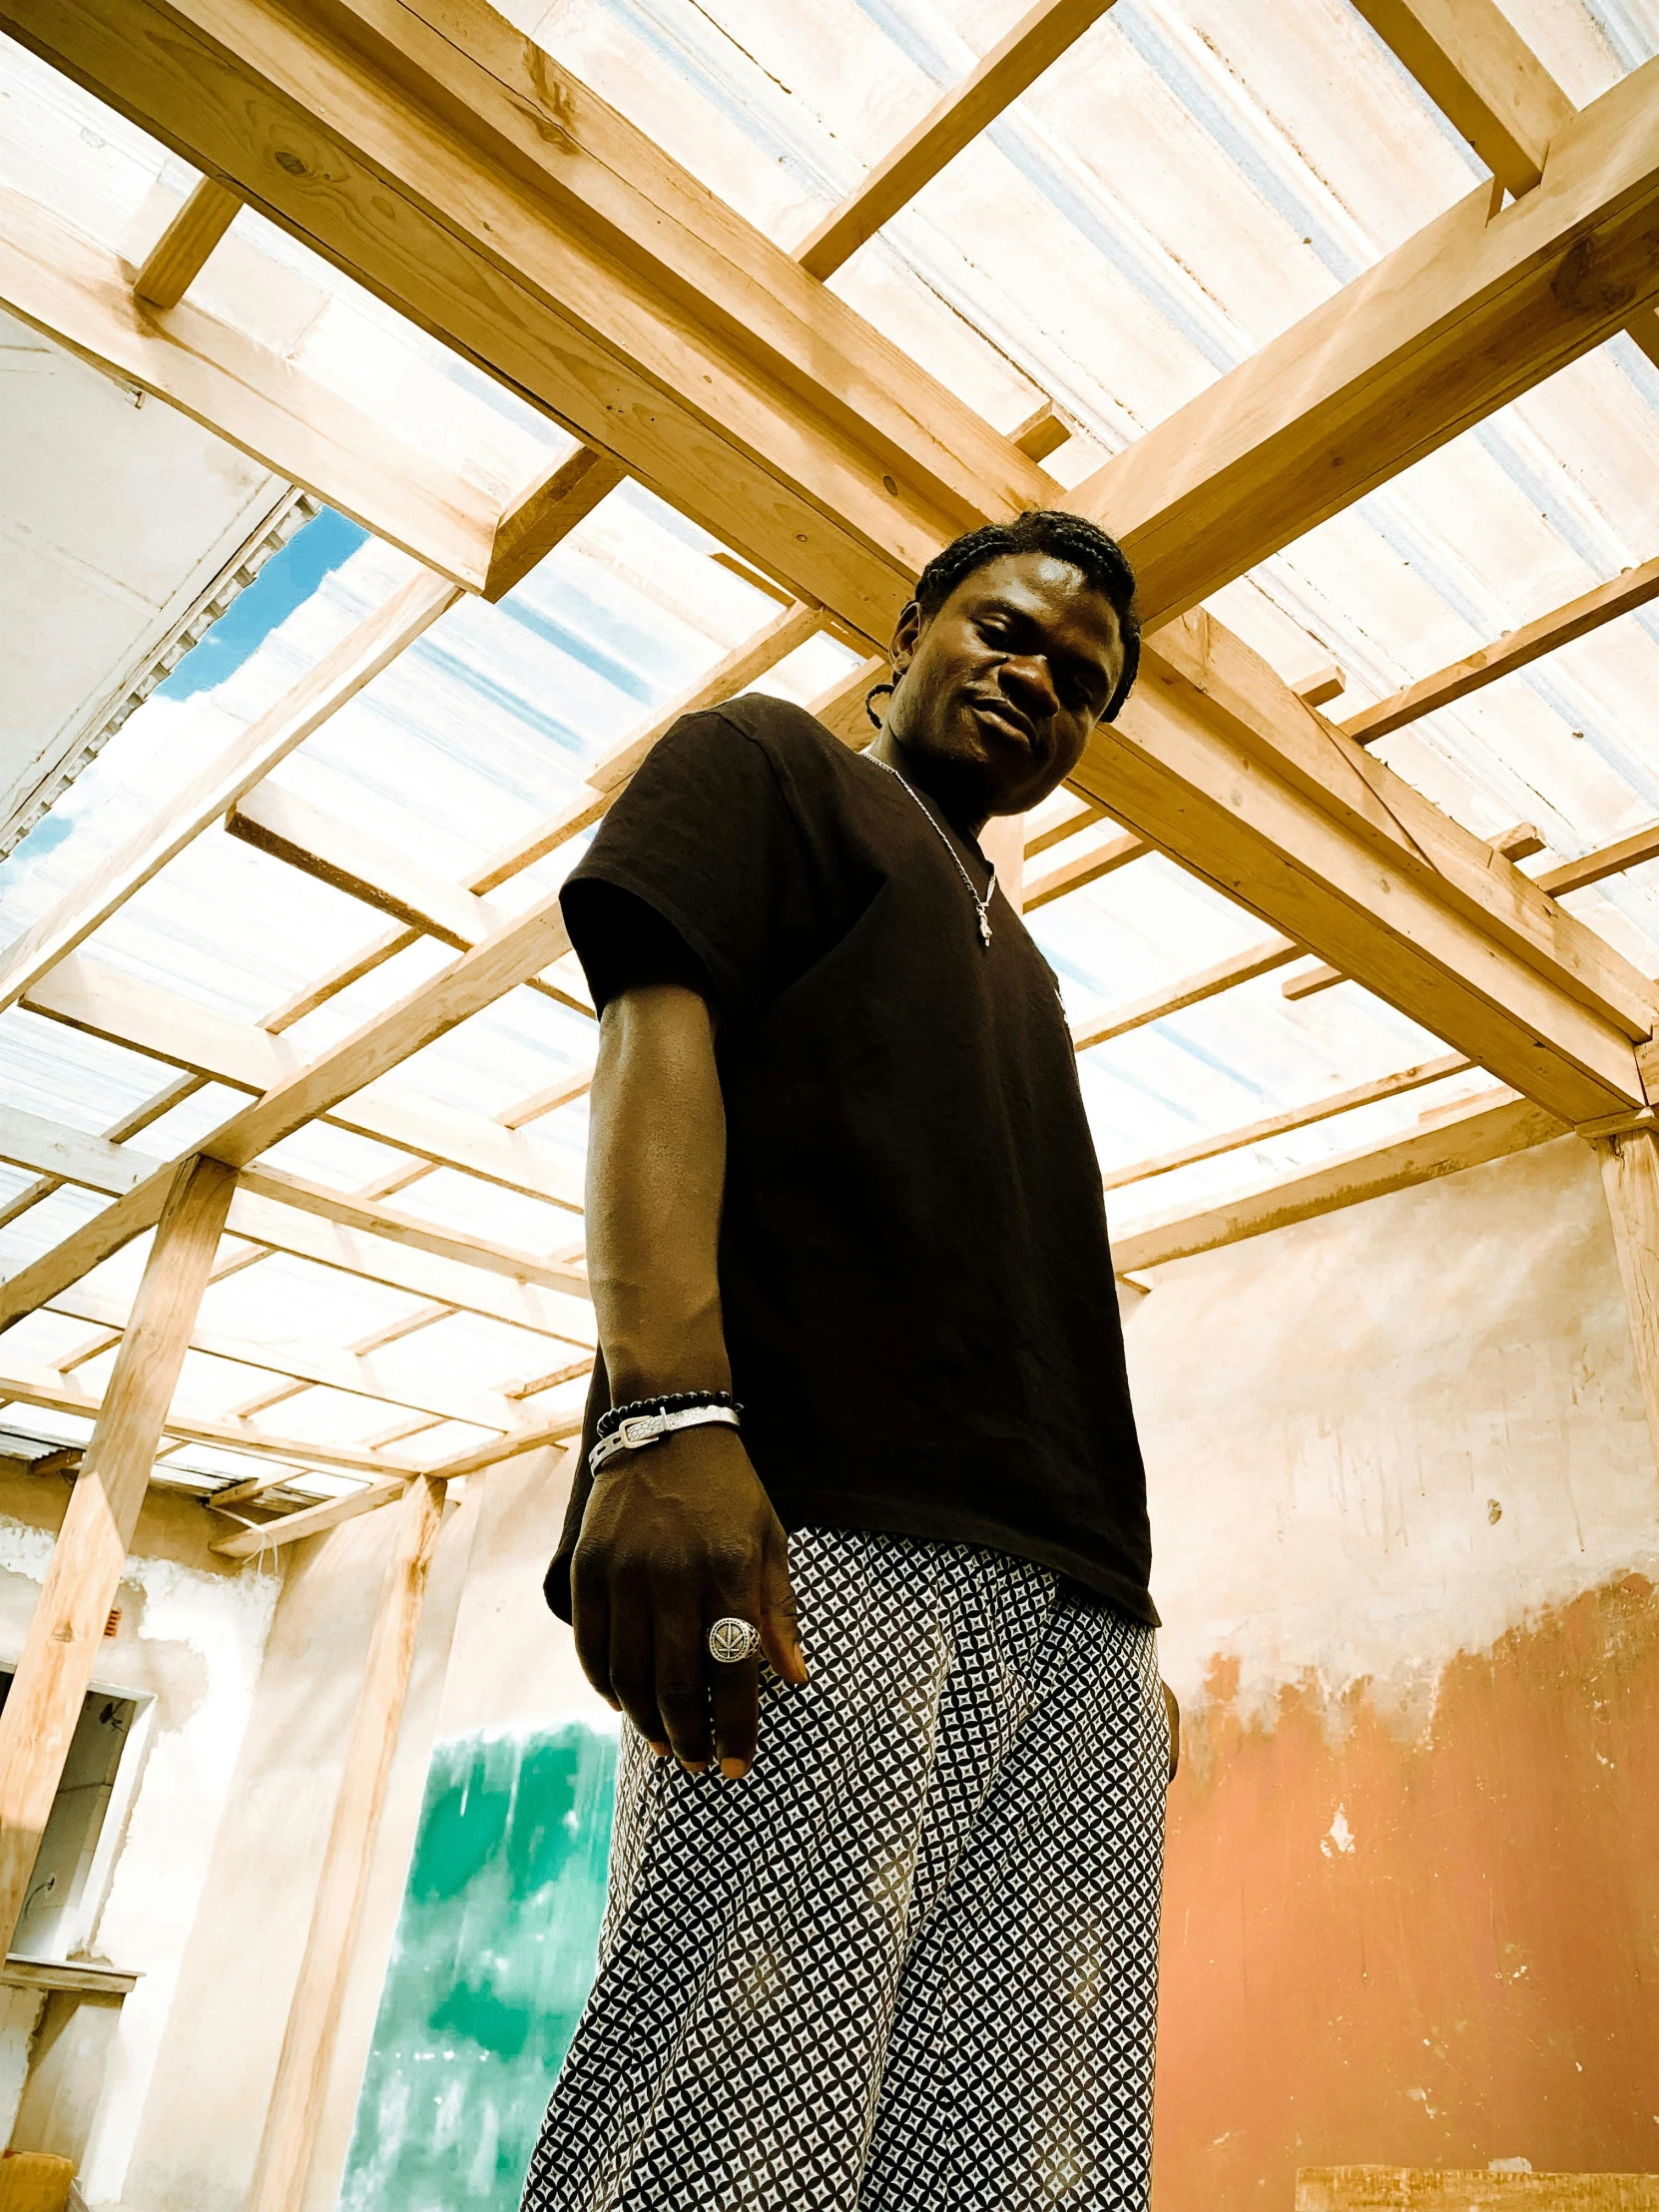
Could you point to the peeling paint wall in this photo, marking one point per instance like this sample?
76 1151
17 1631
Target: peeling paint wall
1407 1534
189 1644
495 1941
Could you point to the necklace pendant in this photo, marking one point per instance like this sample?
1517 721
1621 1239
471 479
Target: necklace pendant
985 926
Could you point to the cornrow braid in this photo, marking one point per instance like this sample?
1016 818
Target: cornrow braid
1066 537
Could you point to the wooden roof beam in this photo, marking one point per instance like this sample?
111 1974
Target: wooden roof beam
1491 88
1012 66
183 250
1481 75
342 673
82 295
1516 649
1465 315
1568 876
149 1018
1288 1121
1302 827
1484 1129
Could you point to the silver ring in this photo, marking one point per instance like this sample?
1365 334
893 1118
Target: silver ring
732 1640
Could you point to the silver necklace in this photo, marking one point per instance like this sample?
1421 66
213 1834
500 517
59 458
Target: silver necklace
980 905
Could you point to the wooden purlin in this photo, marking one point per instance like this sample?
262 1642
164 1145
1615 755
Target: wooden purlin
1011 67
1488 1128
1516 649
181 252
81 294
1292 1119
1468 314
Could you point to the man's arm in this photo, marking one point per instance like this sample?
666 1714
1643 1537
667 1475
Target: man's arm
679 1533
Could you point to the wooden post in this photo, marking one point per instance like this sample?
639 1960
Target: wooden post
313 2014
1630 1177
55 1671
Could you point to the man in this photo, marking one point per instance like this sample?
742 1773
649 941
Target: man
881 1930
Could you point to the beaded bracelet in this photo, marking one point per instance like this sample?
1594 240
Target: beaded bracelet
612 1419
646 1421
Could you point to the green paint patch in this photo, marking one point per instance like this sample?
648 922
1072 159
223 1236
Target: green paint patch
489 1972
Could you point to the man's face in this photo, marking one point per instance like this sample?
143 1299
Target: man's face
1002 688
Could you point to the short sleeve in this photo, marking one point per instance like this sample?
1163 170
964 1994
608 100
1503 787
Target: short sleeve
703 839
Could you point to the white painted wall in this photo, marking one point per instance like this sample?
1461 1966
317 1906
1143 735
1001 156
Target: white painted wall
190 1643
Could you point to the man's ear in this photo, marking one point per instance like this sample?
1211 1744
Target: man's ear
904 648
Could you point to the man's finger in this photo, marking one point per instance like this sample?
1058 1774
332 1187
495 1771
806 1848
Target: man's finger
590 1618
682 1680
734 1688
633 1669
779 1622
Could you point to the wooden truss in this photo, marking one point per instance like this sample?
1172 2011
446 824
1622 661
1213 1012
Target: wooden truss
482 192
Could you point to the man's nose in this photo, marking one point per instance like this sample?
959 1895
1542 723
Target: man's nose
1029 677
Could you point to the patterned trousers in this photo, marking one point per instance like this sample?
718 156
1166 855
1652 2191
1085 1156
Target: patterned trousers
907 1964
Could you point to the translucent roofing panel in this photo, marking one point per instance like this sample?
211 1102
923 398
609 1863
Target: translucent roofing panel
1192 178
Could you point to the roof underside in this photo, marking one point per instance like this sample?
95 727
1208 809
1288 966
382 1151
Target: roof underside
1191 178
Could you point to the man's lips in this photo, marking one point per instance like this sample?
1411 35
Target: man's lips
1004 719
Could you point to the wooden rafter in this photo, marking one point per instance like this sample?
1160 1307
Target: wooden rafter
1468 314
1225 975
1489 84
1287 1123
170 1027
338 676
26 1383
1568 876
79 294
1516 649
1012 66
544 514
181 252
1084 868
1488 1128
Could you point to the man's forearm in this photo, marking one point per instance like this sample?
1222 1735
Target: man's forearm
656 1177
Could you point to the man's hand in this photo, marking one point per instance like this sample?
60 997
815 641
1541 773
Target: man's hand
675 1537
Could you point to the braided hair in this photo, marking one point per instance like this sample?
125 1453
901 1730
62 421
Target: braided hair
1082 544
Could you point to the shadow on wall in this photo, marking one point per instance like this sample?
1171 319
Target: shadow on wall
489 1972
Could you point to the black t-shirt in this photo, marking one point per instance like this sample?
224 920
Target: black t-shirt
914 1273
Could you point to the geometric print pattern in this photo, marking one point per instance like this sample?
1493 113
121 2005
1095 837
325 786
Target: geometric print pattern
909 1962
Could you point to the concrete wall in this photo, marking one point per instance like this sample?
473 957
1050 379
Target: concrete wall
190 1645
1407 1541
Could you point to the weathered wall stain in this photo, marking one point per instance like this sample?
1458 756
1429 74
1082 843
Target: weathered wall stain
493 1957
1430 1949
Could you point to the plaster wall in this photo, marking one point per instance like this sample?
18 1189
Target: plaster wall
1406 1530
189 1644
200 2135
498 1924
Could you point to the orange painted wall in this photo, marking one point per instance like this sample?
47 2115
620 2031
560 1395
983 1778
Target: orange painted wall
1406 1521
1466 1969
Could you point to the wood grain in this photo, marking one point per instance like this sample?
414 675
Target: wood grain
181 252
1012 66
313 2012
